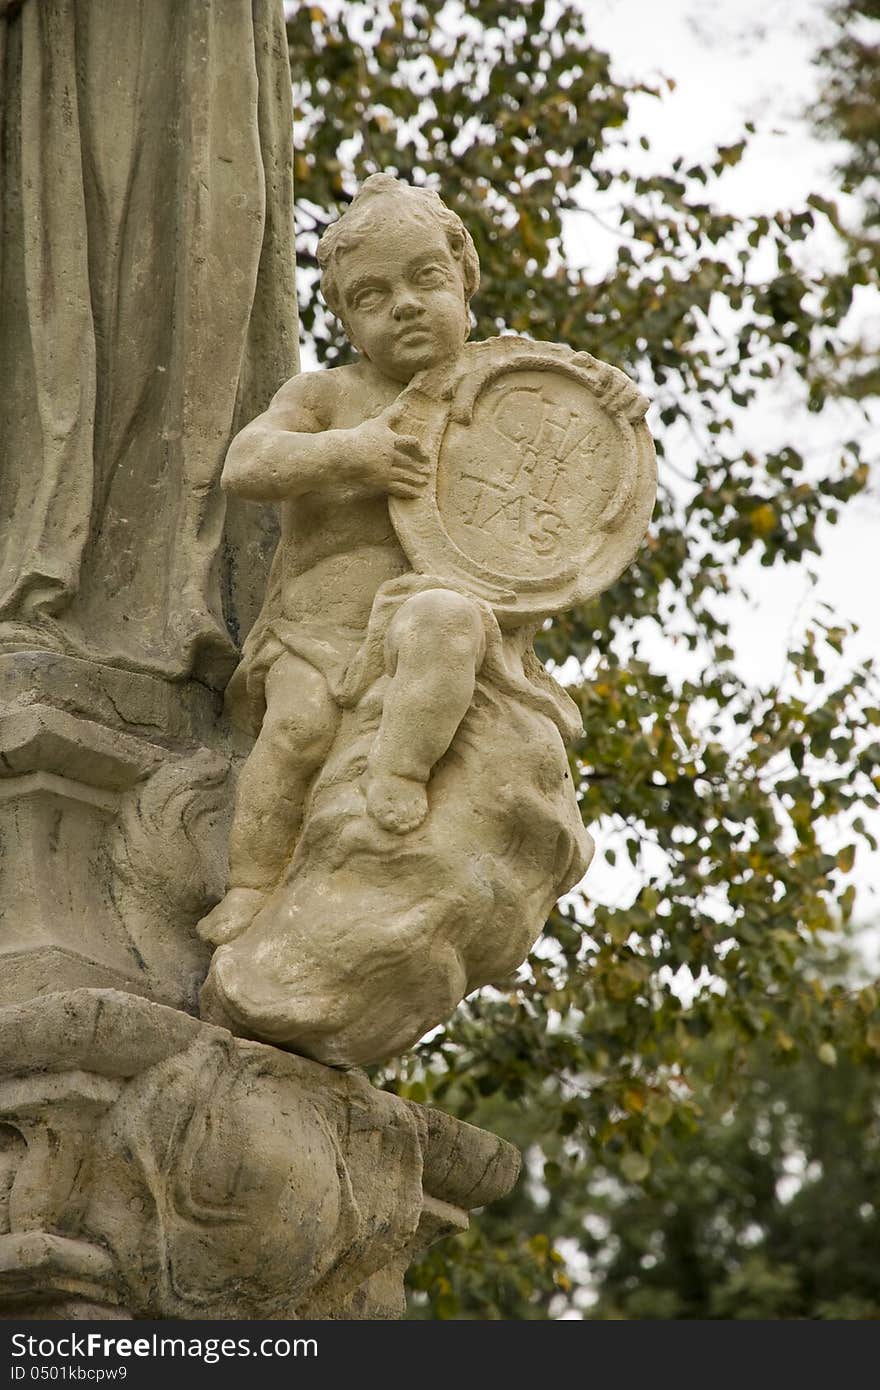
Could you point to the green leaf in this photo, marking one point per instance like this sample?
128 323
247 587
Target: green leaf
635 1166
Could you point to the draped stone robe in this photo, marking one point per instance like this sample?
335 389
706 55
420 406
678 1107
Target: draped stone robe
146 312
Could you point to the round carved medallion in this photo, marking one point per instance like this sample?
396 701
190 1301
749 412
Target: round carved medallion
544 475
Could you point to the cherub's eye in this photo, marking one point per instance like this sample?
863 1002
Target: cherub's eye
367 298
430 276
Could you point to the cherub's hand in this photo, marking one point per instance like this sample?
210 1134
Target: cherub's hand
379 458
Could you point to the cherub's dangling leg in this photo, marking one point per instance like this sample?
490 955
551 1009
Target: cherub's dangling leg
298 729
435 647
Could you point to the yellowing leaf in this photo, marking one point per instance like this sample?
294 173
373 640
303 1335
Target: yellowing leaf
763 519
846 858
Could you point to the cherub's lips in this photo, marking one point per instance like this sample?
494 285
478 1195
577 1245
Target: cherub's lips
414 331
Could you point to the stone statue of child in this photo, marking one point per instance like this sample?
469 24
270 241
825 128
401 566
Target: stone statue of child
399 269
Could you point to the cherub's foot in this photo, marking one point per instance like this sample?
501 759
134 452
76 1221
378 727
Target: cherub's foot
232 915
397 803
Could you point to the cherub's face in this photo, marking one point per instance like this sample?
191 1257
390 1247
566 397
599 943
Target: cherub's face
404 298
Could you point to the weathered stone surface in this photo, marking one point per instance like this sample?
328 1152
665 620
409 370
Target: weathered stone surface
146 277
113 827
407 817
155 1164
372 938
176 714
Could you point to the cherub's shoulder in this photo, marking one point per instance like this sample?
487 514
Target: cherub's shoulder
317 392
306 389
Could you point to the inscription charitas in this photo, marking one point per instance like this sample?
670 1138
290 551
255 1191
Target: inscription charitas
522 483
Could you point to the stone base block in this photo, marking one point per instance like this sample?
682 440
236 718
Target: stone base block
114 808
155 1166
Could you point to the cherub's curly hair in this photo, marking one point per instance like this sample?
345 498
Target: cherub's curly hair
364 214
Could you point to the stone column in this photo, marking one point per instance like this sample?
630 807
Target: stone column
150 1164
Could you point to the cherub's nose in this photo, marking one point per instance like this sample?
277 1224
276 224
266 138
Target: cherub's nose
406 306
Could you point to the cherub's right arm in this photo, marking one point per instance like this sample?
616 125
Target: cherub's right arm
286 451
291 449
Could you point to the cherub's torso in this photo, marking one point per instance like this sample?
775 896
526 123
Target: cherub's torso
338 547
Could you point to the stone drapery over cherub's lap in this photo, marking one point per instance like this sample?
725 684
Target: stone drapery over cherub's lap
351 664
407 817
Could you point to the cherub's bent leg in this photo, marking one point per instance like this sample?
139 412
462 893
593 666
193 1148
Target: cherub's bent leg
298 729
434 649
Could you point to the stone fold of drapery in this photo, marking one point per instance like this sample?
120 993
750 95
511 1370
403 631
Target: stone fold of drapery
147 278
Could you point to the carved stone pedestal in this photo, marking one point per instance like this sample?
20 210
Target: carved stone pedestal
114 800
153 1166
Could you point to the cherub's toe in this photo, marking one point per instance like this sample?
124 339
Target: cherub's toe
232 915
398 804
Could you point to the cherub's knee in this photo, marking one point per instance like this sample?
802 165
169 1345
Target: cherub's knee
301 715
448 625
